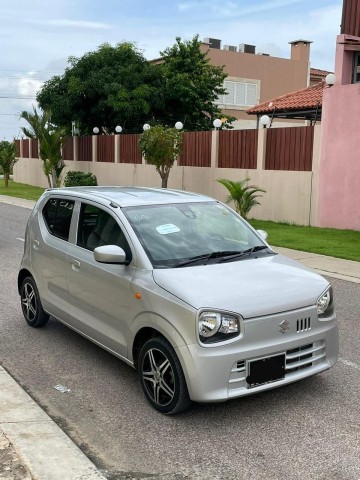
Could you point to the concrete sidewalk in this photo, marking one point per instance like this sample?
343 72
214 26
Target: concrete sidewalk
331 267
33 447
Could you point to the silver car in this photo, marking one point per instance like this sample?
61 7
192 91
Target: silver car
178 286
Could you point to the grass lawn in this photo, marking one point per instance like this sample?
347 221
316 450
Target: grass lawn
20 190
327 241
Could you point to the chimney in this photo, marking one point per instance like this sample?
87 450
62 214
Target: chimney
300 50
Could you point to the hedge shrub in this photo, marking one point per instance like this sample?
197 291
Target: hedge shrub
79 179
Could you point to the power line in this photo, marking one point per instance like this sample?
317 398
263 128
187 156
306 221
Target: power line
23 77
30 70
17 97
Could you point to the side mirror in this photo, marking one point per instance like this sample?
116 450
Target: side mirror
263 234
110 254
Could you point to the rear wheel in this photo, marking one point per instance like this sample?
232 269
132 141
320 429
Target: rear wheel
31 305
162 378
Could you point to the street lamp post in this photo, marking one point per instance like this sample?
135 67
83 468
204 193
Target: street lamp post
265 121
217 123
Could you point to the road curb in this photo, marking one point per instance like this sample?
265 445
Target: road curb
18 202
38 442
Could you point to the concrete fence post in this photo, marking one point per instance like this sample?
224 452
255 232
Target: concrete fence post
75 148
214 149
117 141
261 149
94 140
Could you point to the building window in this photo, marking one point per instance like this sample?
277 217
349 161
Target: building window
239 94
356 76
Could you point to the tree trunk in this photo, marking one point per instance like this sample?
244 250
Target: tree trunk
164 181
6 180
53 178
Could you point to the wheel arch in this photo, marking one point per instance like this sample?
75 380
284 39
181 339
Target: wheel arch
148 326
24 273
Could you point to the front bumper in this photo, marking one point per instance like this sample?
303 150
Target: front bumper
219 373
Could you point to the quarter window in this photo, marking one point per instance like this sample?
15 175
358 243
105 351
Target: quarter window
57 215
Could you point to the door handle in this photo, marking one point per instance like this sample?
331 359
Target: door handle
36 244
75 265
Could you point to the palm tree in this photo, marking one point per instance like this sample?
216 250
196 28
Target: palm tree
51 139
243 195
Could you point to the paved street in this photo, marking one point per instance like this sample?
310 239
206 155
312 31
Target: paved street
309 430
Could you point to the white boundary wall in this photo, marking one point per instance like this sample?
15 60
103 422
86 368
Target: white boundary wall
290 196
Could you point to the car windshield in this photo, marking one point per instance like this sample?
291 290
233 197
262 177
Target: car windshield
180 234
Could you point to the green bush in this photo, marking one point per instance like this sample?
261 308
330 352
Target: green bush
80 179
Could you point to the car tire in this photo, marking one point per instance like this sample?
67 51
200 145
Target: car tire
31 305
162 378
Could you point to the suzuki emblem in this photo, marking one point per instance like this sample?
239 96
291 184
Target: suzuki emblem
284 326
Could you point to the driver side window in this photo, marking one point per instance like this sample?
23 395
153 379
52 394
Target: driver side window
97 228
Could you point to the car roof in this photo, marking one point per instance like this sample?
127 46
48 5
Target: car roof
131 196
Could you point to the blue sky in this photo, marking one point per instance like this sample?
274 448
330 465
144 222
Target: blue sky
37 37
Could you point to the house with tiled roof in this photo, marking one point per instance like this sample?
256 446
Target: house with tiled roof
316 75
255 77
303 104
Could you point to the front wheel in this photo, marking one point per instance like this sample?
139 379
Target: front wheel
31 304
162 378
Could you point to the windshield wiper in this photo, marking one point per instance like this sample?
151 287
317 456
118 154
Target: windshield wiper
223 255
207 256
247 252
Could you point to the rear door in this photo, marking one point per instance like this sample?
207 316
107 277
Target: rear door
49 246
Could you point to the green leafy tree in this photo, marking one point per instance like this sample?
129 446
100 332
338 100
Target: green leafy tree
7 159
242 194
108 87
161 146
118 86
191 86
51 139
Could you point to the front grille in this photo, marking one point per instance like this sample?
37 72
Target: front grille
296 359
303 325
304 357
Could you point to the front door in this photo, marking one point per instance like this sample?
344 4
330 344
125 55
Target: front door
101 302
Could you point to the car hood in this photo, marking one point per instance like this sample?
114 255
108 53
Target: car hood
251 287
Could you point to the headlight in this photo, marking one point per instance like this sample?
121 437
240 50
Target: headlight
325 304
217 327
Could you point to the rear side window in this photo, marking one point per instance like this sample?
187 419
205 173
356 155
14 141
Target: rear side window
57 215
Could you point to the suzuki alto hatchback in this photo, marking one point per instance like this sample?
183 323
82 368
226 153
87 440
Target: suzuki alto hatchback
178 286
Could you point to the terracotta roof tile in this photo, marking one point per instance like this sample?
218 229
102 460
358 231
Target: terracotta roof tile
304 99
319 73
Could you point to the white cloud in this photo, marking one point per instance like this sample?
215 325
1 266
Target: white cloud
76 24
28 86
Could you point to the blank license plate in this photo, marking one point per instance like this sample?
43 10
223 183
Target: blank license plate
266 370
